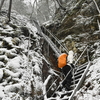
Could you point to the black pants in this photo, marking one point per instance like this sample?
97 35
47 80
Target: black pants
67 82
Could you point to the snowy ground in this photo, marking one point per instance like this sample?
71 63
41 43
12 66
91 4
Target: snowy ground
29 1
91 87
20 60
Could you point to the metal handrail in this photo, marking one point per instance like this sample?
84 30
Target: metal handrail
49 87
80 82
56 39
81 55
62 81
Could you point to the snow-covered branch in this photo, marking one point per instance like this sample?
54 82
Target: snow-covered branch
44 87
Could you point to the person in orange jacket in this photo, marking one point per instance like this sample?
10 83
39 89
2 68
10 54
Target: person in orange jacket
65 63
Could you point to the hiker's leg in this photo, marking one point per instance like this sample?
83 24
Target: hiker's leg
65 70
68 81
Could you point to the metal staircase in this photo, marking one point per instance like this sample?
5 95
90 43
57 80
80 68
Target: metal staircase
79 76
54 40
79 72
52 45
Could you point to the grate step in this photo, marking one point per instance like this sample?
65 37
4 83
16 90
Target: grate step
79 72
81 68
77 76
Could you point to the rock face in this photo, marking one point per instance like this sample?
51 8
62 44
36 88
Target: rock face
20 60
78 26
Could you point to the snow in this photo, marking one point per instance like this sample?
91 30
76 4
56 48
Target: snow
12 74
8 39
18 73
1 92
1 74
37 68
8 28
29 1
14 64
20 66
1 64
93 77
14 87
32 28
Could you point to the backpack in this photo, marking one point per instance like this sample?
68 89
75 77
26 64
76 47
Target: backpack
62 60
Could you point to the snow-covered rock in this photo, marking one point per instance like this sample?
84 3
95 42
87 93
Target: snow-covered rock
20 65
90 89
1 74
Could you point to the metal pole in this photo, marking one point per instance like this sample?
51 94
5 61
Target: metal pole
81 55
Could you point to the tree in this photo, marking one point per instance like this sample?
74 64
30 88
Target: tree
2 2
9 10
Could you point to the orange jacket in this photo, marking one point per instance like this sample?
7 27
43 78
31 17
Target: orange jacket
62 60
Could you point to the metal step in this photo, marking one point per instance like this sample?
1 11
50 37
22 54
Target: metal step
77 76
81 79
72 86
65 98
81 68
79 72
67 93
83 65
76 80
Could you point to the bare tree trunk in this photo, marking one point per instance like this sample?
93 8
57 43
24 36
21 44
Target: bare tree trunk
2 2
9 10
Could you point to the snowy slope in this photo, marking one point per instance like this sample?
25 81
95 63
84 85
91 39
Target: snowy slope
91 87
20 59
29 1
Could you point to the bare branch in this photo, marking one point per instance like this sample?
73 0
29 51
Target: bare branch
96 6
44 87
9 10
